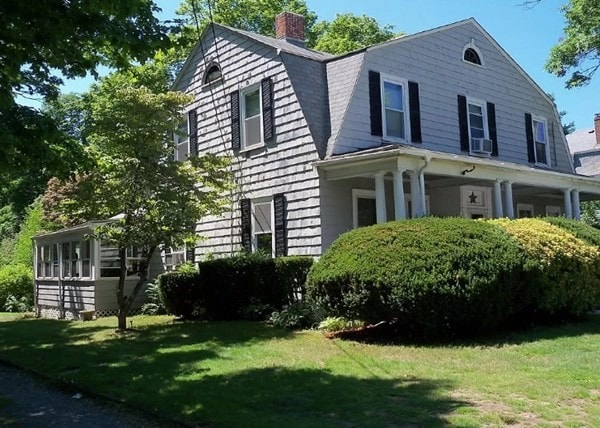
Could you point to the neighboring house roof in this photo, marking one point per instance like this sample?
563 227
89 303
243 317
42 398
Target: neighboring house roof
582 140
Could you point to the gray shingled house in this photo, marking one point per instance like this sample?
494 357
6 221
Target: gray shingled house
443 122
585 148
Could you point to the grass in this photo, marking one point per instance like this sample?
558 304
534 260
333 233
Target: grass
242 374
10 316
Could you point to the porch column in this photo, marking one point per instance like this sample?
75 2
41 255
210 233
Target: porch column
509 206
399 206
415 200
497 200
380 207
567 203
422 199
575 202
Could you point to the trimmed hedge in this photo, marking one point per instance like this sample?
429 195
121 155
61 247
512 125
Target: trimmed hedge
16 281
232 288
434 277
561 271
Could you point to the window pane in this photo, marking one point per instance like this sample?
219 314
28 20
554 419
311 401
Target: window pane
109 268
540 133
476 121
475 109
75 250
85 250
540 153
66 268
366 212
477 133
264 242
251 104
252 131
393 96
75 268
394 124
262 217
85 269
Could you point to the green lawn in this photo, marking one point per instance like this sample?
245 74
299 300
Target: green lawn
243 374
10 316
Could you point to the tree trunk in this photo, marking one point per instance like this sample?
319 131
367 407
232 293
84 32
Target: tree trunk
121 299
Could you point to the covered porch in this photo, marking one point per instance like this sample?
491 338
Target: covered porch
396 183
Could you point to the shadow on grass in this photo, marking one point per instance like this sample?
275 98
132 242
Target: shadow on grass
220 374
512 335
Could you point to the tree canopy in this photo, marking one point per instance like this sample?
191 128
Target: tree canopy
39 40
577 55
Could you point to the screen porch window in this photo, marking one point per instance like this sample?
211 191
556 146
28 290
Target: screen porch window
174 257
76 259
251 117
44 261
540 137
110 261
262 231
394 109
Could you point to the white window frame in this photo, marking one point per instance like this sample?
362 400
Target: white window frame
486 129
175 254
56 260
553 210
471 45
180 140
129 260
404 83
262 201
521 206
356 195
243 143
541 119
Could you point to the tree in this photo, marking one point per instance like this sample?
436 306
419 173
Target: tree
157 200
39 39
566 127
578 52
349 32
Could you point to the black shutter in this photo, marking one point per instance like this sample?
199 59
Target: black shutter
193 137
491 116
280 225
375 103
266 86
189 253
529 137
246 210
415 112
463 123
235 120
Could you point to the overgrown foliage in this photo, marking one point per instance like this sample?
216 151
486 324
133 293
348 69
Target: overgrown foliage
246 286
16 288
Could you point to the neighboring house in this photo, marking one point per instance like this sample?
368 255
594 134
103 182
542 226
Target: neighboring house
442 122
75 273
585 148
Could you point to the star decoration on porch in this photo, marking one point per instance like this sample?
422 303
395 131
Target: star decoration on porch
472 198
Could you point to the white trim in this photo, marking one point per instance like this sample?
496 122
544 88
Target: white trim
362 194
179 140
403 83
541 119
253 240
521 206
486 129
243 92
471 45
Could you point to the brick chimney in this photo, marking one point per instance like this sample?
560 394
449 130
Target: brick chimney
290 27
597 128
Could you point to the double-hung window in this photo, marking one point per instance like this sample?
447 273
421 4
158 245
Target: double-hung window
478 127
182 140
251 116
540 140
394 108
262 222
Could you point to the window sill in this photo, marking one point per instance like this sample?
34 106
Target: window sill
395 140
472 63
542 165
252 148
480 155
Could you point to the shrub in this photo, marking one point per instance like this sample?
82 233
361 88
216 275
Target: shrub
561 271
153 304
180 293
17 281
585 232
291 273
334 324
434 277
298 315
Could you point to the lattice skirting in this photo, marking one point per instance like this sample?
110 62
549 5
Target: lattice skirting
52 312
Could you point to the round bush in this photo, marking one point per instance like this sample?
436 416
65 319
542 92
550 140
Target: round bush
17 281
435 277
180 293
579 229
561 271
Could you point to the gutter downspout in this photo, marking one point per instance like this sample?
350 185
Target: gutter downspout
423 200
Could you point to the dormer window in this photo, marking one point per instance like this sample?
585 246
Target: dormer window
212 73
472 54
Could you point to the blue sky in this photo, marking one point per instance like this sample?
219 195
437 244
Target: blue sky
527 34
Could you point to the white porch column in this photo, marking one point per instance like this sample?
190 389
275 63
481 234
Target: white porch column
422 199
575 202
567 203
399 206
380 207
415 200
497 200
509 206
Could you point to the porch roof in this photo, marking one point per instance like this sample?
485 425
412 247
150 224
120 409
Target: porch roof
405 158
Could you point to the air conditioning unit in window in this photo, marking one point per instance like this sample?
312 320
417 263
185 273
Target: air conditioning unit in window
481 145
